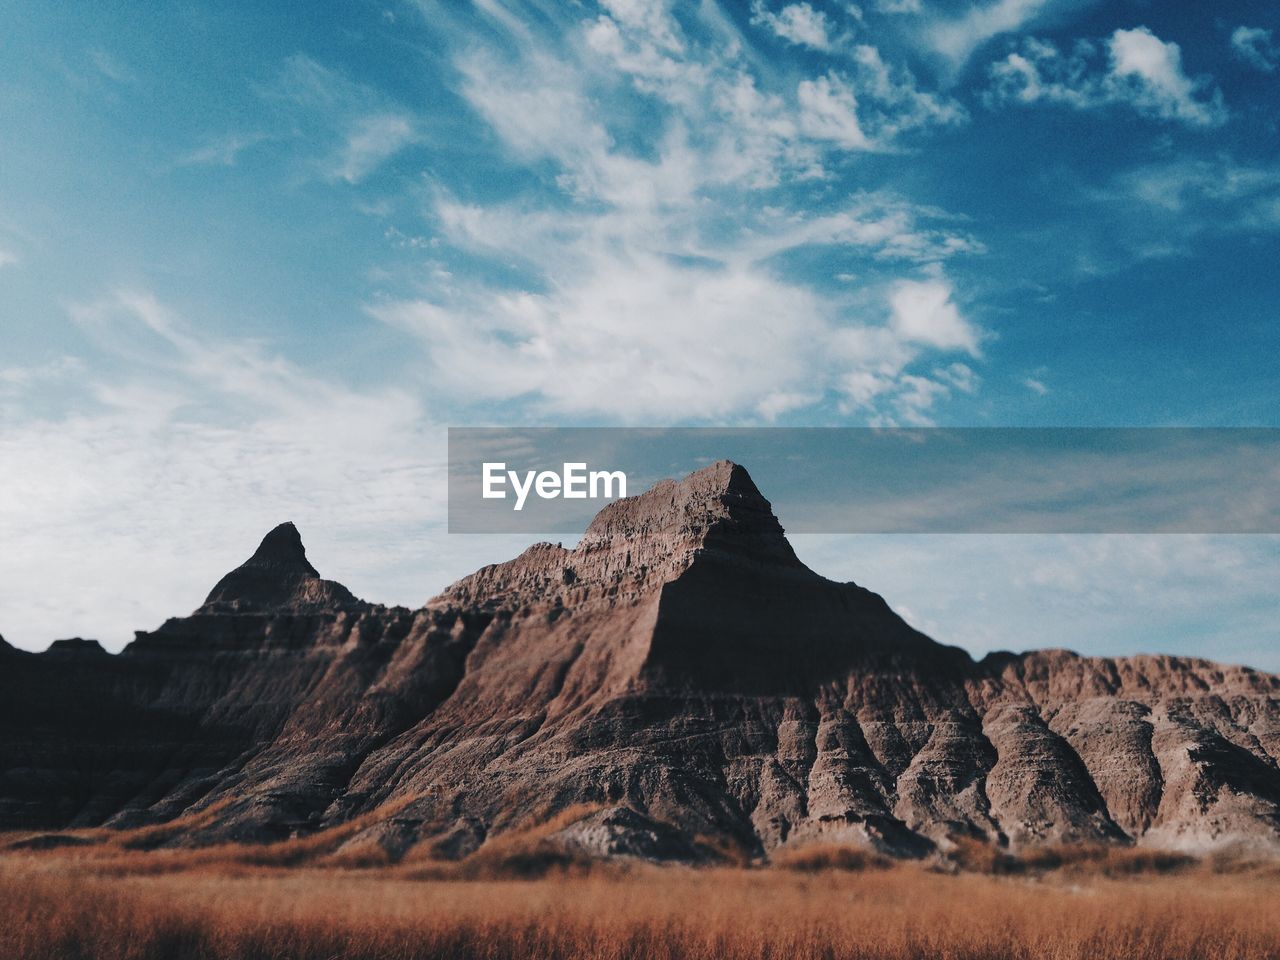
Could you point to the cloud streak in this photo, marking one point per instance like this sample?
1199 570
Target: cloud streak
359 126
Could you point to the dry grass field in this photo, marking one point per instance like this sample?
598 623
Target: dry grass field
111 898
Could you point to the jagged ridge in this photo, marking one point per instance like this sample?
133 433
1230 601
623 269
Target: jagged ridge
679 668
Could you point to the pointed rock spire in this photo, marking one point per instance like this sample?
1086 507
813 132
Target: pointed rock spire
277 576
283 546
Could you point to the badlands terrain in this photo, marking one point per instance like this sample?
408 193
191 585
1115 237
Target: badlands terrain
673 739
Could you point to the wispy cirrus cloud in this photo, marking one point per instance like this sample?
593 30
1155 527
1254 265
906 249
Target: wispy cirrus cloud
369 141
1175 208
356 127
112 67
222 151
1165 209
666 265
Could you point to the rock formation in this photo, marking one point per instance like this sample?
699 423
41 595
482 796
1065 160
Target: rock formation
277 577
679 675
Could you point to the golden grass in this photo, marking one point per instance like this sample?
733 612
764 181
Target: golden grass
522 854
817 857
295 900
139 850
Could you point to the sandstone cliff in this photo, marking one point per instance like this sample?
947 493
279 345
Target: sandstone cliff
680 671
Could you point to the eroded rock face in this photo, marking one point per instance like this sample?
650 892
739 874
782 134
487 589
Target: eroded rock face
679 672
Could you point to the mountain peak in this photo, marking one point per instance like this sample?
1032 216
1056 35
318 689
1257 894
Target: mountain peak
727 479
277 576
717 508
714 516
283 545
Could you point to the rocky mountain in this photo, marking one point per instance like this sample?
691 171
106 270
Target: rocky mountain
277 577
679 678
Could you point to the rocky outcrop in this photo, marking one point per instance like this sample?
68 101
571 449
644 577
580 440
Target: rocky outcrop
277 577
679 676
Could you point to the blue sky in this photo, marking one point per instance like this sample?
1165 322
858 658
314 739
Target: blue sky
254 258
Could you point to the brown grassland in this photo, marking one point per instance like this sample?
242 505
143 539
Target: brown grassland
116 896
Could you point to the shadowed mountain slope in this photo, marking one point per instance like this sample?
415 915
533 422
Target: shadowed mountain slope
679 669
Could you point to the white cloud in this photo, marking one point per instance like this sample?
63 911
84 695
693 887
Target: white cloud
904 105
650 339
539 111
653 18
916 399
7 258
796 23
886 228
640 339
714 91
829 111
959 375
18 381
1035 386
371 141
1170 209
924 313
1181 186
651 284
957 39
1256 47
1141 71
1150 71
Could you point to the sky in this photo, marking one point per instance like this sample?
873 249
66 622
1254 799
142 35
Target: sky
256 258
